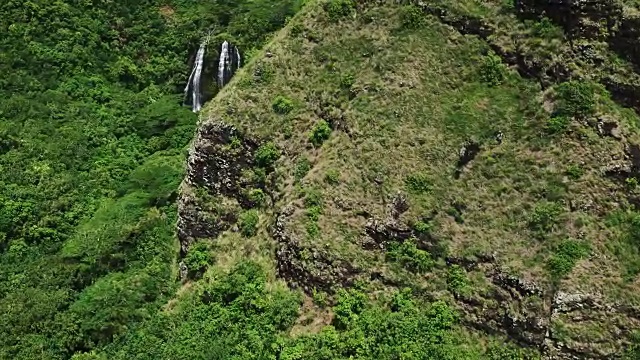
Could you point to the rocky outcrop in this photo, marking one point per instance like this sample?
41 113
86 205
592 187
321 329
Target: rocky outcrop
604 20
307 267
581 19
218 159
219 155
616 323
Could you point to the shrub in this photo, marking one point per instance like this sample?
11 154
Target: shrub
575 172
422 227
457 279
412 17
557 124
492 70
257 196
282 105
546 29
347 81
332 177
565 257
267 154
337 9
631 182
198 259
410 257
575 98
320 133
303 165
312 197
313 229
418 183
248 223
544 217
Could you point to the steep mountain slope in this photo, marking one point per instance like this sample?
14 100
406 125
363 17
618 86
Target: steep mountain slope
474 152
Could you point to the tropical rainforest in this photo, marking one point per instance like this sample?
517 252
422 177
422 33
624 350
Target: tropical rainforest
387 179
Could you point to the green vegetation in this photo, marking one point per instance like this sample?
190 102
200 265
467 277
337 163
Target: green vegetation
382 332
418 183
575 172
282 105
557 124
267 154
320 133
544 217
332 177
257 197
410 257
314 204
565 257
492 70
303 165
412 17
457 280
248 222
93 139
575 98
198 259
92 133
337 9
627 246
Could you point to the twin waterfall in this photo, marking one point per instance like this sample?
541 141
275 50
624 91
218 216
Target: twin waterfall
197 86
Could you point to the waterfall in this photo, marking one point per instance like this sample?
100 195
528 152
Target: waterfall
197 103
198 89
222 64
193 83
230 61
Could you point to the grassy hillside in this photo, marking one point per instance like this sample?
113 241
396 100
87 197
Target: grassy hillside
468 151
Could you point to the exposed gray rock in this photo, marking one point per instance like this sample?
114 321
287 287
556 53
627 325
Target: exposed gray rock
306 267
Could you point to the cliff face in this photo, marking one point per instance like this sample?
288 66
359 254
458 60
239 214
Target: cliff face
604 20
213 190
425 146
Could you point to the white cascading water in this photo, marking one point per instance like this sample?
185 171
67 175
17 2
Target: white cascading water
195 82
224 58
239 58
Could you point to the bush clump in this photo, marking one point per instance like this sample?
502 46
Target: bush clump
257 196
248 223
320 133
282 105
337 9
492 70
557 124
418 183
267 154
410 257
198 259
565 257
575 98
457 279
575 171
303 165
412 17
544 217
